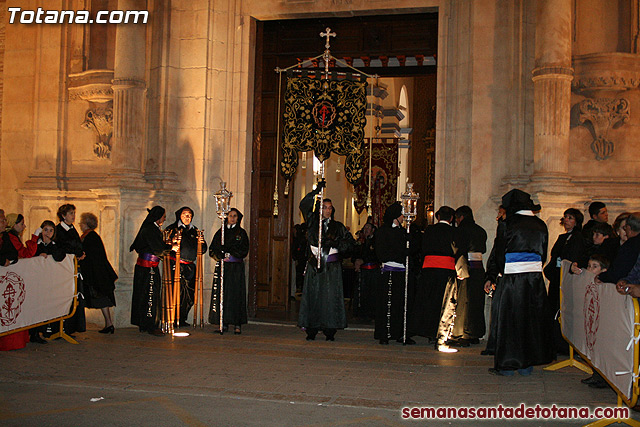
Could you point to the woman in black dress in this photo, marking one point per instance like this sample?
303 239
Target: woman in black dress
98 274
68 239
569 246
232 253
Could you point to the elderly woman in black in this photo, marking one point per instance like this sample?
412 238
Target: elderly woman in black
232 253
569 246
67 238
98 274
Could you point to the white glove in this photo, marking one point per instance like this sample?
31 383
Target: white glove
38 231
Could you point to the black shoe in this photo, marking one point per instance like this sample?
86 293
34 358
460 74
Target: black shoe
330 338
409 341
225 328
157 332
184 324
384 341
107 330
589 380
237 330
37 339
487 352
311 337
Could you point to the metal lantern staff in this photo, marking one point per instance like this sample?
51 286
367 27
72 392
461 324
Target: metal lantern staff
409 200
223 197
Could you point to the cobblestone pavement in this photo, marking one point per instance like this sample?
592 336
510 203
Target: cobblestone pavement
268 376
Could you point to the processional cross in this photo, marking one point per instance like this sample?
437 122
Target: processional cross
327 33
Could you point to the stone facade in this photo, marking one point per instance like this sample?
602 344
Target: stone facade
524 89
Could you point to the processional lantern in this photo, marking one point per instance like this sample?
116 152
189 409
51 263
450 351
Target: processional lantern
409 201
223 198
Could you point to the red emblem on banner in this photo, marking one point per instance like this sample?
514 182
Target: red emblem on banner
13 293
591 314
323 113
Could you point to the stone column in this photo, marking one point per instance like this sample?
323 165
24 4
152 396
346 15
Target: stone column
552 93
129 91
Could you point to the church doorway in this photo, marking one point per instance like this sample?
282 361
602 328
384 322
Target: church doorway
402 51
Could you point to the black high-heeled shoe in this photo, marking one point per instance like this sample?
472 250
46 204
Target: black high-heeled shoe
237 330
108 330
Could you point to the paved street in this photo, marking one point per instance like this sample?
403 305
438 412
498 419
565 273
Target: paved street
268 376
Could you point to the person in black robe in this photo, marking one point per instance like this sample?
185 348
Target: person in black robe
570 246
391 250
147 283
232 254
188 255
99 276
523 334
469 324
435 301
489 287
367 268
68 239
322 303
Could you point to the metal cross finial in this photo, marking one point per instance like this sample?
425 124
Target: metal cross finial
327 34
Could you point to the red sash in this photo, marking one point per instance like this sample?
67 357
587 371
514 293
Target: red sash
438 261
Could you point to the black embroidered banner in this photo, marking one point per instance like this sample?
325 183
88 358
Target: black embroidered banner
324 116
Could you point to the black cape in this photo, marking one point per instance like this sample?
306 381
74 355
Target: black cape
322 303
234 309
523 336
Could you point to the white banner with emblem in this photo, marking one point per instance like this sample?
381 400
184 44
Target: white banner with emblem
35 290
599 323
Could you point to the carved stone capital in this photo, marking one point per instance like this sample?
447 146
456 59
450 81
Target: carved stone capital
100 120
600 115
92 86
605 73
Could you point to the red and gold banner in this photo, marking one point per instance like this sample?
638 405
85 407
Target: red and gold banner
384 180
